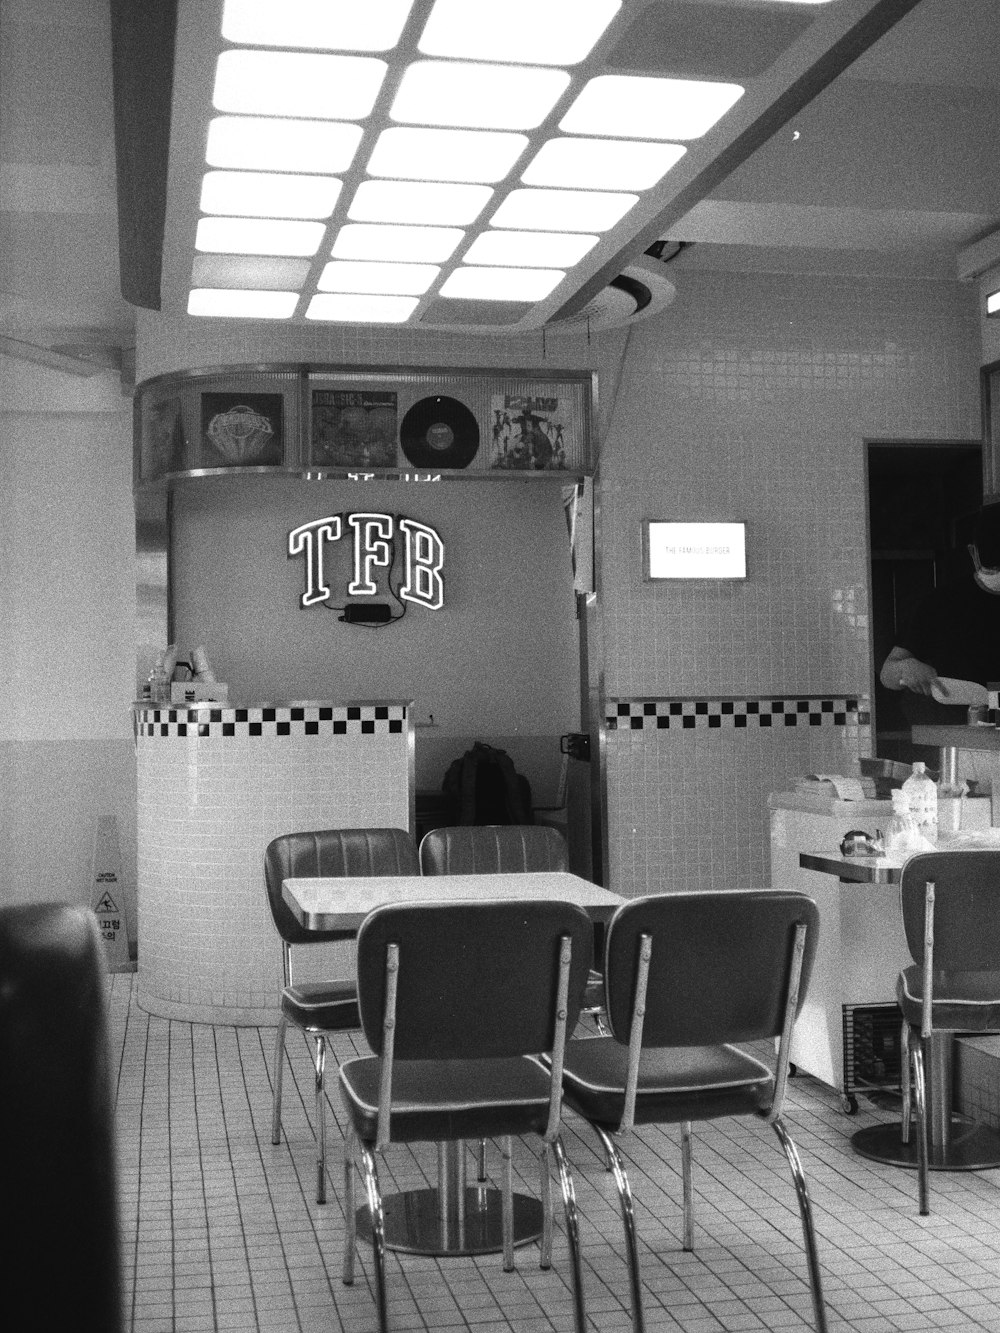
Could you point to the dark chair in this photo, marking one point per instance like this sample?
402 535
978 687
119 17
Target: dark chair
62 1249
485 849
951 915
320 1007
687 975
453 1031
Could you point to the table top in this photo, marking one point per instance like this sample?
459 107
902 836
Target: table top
958 738
343 903
856 869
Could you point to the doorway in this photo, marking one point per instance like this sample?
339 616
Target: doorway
922 502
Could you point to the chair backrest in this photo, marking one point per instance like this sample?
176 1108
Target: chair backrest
966 908
457 994
332 852
59 1202
719 967
486 849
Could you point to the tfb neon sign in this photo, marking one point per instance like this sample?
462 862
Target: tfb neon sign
374 549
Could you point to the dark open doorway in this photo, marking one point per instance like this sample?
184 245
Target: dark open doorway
922 499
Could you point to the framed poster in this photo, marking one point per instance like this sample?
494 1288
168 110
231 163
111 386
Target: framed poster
163 441
353 428
531 433
242 429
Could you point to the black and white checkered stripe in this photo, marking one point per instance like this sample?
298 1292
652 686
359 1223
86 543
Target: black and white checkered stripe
788 711
331 720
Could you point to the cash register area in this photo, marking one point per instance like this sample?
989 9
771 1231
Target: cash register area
222 1231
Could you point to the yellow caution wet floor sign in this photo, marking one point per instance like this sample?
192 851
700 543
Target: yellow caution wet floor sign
107 895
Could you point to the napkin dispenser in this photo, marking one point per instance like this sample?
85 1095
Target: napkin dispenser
198 691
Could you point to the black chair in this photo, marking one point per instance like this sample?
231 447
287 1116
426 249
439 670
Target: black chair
320 1007
453 1030
62 1248
486 849
687 975
951 916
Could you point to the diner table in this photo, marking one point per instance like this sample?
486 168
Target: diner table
453 1217
955 1142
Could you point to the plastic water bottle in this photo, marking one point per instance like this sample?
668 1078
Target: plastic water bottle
921 793
901 834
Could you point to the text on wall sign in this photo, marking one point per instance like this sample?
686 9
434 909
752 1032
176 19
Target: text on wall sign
374 542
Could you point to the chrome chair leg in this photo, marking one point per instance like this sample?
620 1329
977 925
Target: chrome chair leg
572 1233
617 1165
688 1192
920 1092
350 1208
545 1183
808 1231
904 1080
507 1202
378 1233
320 1120
481 1169
279 1067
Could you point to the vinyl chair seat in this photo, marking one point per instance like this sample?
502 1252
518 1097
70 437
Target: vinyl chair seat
448 1099
675 1084
961 1001
321 1006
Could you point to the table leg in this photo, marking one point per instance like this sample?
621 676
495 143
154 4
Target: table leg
454 1218
955 1143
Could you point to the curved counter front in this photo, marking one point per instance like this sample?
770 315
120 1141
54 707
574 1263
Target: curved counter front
215 785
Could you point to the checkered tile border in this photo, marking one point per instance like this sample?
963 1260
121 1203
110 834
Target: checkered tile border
343 720
662 714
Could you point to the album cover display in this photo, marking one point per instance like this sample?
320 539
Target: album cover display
241 429
439 432
353 428
531 433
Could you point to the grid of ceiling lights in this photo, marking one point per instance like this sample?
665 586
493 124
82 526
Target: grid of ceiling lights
467 140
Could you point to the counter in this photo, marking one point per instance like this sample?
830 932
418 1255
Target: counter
215 785
847 1034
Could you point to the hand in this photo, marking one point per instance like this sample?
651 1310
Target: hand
918 677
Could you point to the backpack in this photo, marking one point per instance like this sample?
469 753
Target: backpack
483 787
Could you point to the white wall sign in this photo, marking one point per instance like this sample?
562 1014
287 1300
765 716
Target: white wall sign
374 538
695 550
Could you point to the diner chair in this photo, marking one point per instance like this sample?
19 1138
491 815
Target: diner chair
950 902
687 977
59 1202
318 1008
490 849
453 1033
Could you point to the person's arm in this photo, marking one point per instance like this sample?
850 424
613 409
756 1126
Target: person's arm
902 671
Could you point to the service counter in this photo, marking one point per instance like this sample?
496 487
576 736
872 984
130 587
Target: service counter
215 785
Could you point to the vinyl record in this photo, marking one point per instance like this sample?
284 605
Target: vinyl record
439 432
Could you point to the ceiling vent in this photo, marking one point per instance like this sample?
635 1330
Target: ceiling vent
640 291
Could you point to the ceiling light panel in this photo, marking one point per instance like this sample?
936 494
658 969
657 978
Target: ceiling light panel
265 272
562 210
531 249
492 97
633 107
418 201
295 83
258 236
445 155
242 304
601 164
502 284
345 308
532 32
269 195
264 143
350 275
362 240
375 25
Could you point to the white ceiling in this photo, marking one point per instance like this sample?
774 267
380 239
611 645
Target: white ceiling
890 169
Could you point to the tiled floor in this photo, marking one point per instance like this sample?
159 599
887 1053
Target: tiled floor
221 1230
